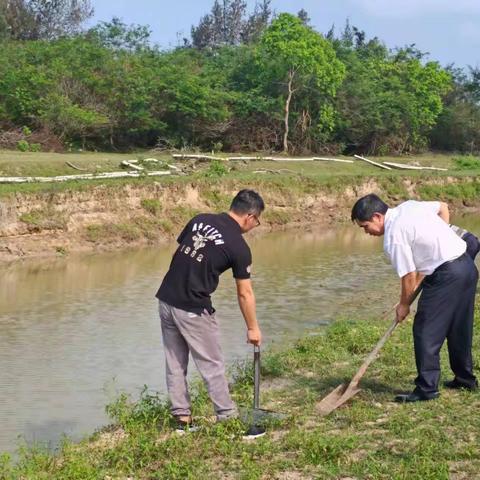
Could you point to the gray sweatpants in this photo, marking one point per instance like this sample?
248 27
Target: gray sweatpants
183 333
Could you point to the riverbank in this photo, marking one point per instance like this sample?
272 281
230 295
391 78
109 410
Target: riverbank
370 437
98 215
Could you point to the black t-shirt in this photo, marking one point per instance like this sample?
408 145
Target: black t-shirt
208 245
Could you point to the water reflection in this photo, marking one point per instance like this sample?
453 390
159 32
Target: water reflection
77 330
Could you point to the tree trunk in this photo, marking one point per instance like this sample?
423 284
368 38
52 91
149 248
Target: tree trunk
291 75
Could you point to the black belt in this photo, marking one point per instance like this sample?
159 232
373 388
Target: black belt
448 262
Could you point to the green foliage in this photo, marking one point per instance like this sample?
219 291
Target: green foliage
119 36
112 232
299 57
467 162
216 169
110 89
288 45
26 131
151 205
149 409
388 102
458 127
216 200
277 217
44 219
23 146
42 19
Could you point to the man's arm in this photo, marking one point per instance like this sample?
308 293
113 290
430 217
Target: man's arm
444 213
409 284
246 302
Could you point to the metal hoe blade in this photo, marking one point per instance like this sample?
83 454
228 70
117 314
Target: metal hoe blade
336 398
342 394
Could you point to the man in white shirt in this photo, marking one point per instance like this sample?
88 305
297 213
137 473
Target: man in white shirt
424 249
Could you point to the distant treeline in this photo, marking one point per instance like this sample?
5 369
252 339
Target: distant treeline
258 81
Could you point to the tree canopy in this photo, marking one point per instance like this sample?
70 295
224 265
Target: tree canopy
245 81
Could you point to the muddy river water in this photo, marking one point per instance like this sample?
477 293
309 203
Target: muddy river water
77 331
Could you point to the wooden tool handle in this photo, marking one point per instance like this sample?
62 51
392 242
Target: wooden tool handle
361 371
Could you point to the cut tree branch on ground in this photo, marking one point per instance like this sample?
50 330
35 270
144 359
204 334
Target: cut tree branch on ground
261 158
196 156
413 167
75 167
86 176
130 164
385 167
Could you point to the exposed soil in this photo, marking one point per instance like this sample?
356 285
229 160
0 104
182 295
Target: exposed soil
103 218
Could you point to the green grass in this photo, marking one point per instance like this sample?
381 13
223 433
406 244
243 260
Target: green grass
110 232
370 437
41 164
151 205
467 162
44 219
303 177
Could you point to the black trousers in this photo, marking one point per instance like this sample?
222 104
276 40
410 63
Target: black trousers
445 311
473 244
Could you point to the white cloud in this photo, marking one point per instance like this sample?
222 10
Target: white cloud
408 8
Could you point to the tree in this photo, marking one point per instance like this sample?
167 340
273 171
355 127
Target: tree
458 126
303 16
257 22
44 19
223 26
119 36
298 56
389 101
227 24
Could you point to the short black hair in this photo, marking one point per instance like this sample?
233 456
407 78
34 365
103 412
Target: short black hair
247 201
366 206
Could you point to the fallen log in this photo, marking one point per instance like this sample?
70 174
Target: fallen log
245 158
75 167
402 166
86 176
326 159
385 167
196 156
259 158
292 159
129 164
413 167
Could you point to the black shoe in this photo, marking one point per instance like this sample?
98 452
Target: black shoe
254 431
416 396
182 427
457 385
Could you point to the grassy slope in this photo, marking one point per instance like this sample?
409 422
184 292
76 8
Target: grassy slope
371 437
301 176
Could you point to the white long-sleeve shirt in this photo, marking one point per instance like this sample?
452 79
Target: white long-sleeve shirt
417 239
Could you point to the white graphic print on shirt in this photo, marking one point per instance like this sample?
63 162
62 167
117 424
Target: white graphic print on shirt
204 234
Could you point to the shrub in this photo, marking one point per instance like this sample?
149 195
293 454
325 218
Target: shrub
216 168
467 162
151 205
23 146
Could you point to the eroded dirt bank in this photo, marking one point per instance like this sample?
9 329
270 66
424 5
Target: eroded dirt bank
109 217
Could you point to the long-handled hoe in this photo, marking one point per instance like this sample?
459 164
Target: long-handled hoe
343 392
258 417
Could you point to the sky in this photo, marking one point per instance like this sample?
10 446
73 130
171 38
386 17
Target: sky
449 30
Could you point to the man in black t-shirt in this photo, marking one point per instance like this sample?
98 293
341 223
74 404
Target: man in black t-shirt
208 245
